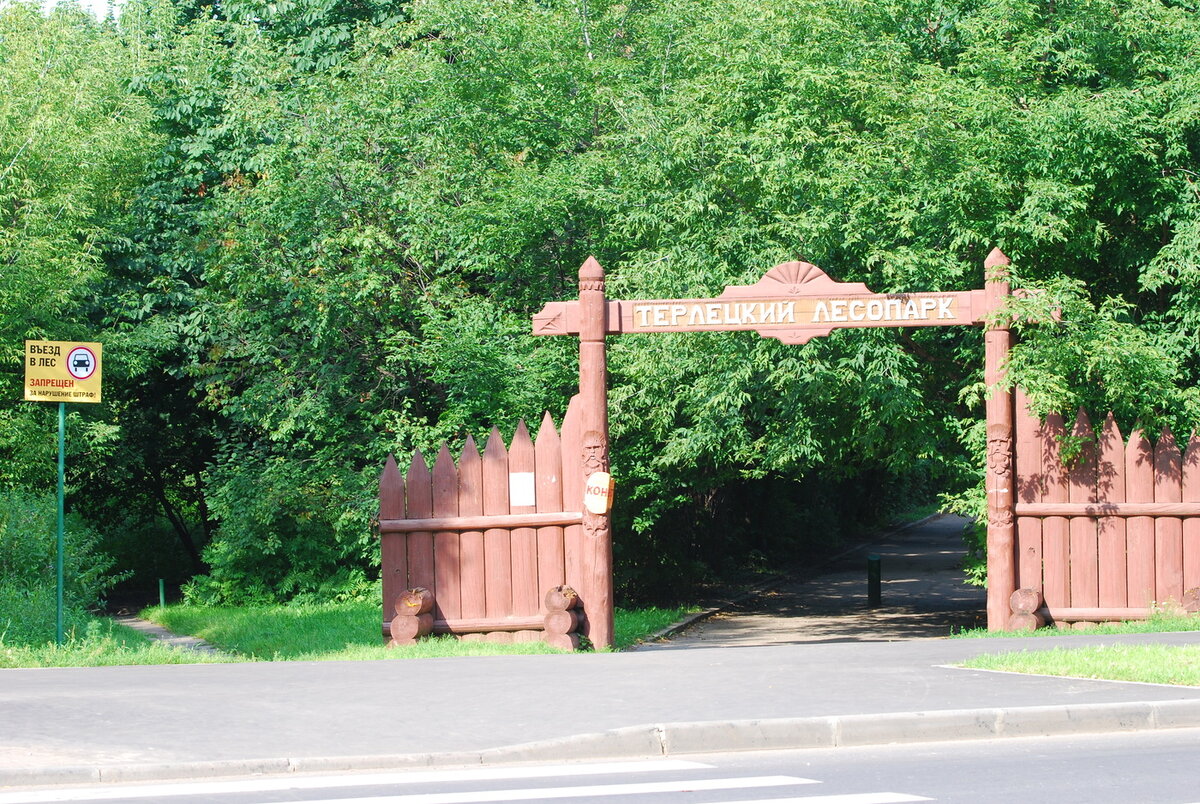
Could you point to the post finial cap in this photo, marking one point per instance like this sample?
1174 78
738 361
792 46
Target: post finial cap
591 269
996 258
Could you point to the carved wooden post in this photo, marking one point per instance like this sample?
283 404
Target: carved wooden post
1000 492
597 595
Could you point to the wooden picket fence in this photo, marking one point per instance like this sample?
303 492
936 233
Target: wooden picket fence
485 540
1112 535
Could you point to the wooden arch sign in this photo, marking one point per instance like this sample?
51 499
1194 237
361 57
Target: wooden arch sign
793 302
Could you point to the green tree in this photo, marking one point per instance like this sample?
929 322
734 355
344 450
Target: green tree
456 168
354 208
72 144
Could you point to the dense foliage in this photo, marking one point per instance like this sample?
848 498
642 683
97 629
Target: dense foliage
28 569
313 232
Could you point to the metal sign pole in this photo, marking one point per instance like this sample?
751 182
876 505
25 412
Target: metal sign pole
49 377
62 443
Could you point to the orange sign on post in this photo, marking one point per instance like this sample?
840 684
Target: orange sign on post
598 493
62 371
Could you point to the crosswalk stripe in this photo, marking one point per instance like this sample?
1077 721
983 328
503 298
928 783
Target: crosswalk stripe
344 780
537 794
844 798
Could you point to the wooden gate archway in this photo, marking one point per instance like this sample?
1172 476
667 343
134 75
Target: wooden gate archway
459 554
794 302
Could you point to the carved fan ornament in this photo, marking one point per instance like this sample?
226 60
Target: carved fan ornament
801 278
796 273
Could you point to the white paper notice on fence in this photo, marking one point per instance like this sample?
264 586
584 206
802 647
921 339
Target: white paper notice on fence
520 489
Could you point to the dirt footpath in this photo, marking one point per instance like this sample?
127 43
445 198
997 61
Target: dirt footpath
923 597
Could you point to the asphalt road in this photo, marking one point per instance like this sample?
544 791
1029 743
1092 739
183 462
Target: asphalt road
1146 768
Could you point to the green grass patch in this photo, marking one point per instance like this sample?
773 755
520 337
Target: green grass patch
327 632
1157 623
318 632
343 631
102 643
915 513
1152 664
633 626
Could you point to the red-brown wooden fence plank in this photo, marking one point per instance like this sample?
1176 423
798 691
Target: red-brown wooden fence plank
572 485
446 555
1081 481
497 541
1191 525
1029 482
392 556
1056 543
470 503
526 597
419 485
548 461
1168 530
1139 530
1110 487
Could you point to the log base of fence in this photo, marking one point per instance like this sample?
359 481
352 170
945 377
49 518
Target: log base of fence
562 620
1083 616
1191 600
1026 621
414 617
1029 611
559 626
407 630
1025 605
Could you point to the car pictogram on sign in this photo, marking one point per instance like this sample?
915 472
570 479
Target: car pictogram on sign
81 363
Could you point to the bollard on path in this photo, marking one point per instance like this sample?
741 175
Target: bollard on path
874 581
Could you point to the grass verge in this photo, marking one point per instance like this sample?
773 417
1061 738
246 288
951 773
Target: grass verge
319 632
341 631
633 626
102 643
1151 664
1155 624
329 632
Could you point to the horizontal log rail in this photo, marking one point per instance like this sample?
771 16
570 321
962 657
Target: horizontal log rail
482 625
1094 614
481 522
1109 509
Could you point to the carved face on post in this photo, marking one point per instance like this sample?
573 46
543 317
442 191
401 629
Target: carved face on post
595 456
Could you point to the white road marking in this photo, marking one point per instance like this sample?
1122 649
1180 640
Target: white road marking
342 780
845 798
538 794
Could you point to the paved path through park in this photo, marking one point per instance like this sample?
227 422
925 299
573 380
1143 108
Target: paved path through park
923 597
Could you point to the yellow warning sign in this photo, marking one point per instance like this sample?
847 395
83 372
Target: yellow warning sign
62 371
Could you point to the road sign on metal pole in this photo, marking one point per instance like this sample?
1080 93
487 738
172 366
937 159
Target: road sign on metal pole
62 371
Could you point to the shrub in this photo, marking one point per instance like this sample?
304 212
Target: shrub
28 599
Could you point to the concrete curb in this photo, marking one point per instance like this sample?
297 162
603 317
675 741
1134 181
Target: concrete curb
669 739
838 731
